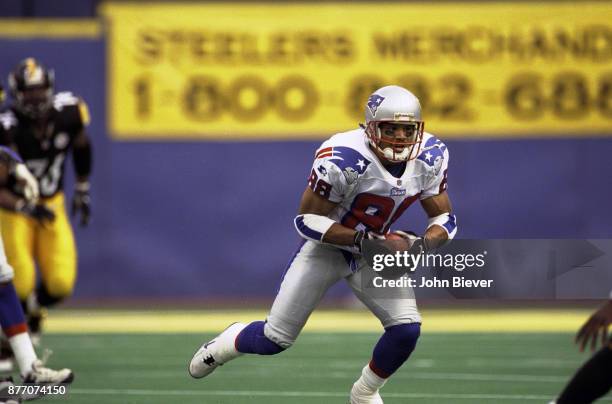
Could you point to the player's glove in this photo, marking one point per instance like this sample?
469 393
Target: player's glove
362 235
41 213
81 203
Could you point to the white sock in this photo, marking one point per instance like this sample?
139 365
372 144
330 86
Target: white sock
370 381
24 352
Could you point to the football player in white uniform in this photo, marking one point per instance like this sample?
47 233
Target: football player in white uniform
360 183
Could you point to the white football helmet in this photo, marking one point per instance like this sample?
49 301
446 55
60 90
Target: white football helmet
394 104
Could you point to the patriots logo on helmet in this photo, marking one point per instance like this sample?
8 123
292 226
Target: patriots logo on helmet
374 102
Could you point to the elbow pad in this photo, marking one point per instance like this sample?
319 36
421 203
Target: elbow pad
447 221
312 227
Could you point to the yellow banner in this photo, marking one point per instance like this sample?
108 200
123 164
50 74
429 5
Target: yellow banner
282 70
56 28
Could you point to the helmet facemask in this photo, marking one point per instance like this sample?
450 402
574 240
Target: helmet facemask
34 103
392 148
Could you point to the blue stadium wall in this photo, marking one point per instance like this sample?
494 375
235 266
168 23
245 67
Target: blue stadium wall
213 220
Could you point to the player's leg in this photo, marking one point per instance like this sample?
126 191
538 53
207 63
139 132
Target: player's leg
401 320
311 272
18 233
592 381
56 256
12 321
56 252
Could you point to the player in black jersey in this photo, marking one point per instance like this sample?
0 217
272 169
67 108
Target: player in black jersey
594 379
44 128
12 319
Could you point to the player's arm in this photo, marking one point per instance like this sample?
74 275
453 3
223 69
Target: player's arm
442 223
82 158
12 166
28 207
4 174
312 222
8 200
11 163
595 326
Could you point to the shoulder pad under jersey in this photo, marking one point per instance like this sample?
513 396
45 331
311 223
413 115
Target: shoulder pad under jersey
348 160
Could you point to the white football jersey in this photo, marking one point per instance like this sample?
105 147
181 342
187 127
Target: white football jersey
346 171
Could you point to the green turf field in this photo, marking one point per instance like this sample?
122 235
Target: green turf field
320 368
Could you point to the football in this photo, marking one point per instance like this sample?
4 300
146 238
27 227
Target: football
394 236
398 242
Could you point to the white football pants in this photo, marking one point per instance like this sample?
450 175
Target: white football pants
314 269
